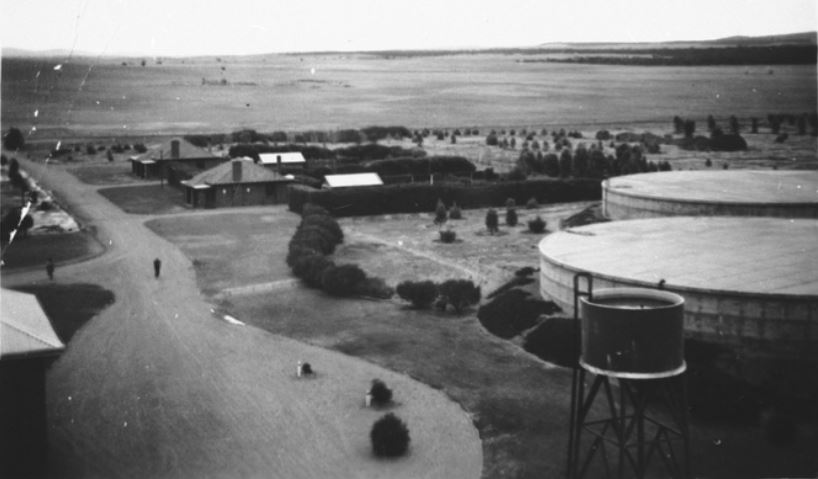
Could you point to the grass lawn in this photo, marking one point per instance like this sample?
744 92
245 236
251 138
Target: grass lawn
117 173
233 249
517 403
34 250
69 306
147 199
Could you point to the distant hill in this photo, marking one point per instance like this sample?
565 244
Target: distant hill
794 39
802 38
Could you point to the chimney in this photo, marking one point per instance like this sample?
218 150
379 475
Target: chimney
174 149
237 171
278 163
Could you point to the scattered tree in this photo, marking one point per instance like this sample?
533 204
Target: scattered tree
448 236
455 213
511 217
14 140
381 394
441 214
420 293
537 225
492 221
389 436
459 293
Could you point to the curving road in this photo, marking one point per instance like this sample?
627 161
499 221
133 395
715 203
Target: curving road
158 386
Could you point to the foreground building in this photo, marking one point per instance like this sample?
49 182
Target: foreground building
28 346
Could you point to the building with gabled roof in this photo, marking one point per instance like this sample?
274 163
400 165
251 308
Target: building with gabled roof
239 182
28 346
160 160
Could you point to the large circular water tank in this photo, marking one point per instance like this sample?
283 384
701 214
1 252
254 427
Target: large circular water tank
633 333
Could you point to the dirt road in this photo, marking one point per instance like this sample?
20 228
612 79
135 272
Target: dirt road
158 386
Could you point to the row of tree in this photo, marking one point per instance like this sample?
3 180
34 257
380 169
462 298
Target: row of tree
588 162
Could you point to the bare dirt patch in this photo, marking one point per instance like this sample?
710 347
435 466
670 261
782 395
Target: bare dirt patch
489 259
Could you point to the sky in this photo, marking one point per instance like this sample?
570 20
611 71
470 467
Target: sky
197 27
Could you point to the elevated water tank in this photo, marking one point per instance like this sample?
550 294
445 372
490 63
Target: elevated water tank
633 333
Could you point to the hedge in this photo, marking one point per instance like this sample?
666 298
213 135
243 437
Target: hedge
413 198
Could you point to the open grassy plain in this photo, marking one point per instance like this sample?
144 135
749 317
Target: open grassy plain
101 97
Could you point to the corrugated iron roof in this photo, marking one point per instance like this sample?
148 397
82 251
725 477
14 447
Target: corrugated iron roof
223 174
288 158
24 327
353 179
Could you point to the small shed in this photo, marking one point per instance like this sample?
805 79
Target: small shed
352 179
28 346
288 161
239 182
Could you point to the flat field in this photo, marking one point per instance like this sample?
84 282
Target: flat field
101 97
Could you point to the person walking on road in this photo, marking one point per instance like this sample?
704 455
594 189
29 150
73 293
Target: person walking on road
157 265
49 268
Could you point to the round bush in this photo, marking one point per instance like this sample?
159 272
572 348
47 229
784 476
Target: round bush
381 394
455 213
390 436
343 280
448 236
511 217
420 293
492 221
537 225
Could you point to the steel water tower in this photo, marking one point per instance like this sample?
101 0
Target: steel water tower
628 397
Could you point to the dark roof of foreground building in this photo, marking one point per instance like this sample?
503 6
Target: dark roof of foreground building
238 171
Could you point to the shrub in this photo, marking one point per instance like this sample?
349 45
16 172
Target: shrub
90 149
459 293
513 312
140 147
492 221
532 203
381 394
728 143
389 436
440 212
491 140
314 237
537 225
448 236
310 268
603 135
326 223
511 217
455 213
420 293
343 280
14 139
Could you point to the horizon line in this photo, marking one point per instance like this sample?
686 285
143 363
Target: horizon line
19 51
